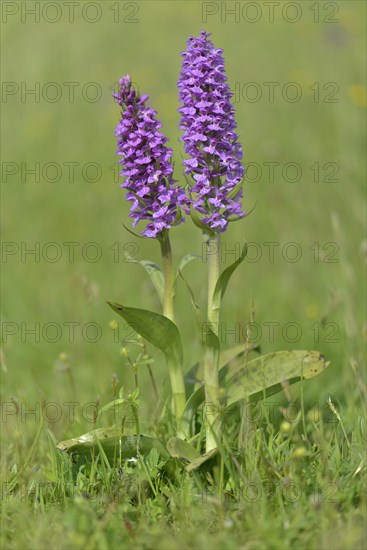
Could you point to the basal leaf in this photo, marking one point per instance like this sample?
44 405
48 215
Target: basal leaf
260 377
267 371
114 445
236 352
194 375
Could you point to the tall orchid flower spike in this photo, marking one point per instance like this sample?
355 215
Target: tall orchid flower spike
148 172
209 137
146 164
214 163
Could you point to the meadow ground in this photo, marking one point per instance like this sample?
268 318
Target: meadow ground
299 82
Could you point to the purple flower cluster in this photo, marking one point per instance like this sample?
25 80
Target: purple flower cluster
146 163
207 118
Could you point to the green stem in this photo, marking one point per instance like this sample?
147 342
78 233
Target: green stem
174 367
211 356
168 276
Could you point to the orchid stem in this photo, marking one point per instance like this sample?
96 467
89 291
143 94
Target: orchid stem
175 367
211 355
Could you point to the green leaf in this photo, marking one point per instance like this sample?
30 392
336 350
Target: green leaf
178 448
155 328
238 218
236 352
224 278
266 373
155 274
191 378
194 306
260 377
195 464
187 259
235 218
194 375
114 445
210 340
133 233
112 404
212 347
184 261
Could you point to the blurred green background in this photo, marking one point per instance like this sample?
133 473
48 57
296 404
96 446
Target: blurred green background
310 132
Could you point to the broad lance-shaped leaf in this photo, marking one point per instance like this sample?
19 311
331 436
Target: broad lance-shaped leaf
260 377
155 328
224 277
268 371
114 445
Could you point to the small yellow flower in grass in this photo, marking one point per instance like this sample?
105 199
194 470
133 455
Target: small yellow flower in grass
113 325
358 94
63 356
312 311
314 415
299 452
124 352
285 427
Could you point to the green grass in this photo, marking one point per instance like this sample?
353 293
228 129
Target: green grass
310 480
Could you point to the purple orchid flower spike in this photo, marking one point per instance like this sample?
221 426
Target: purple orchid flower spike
146 164
207 119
